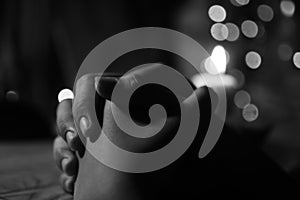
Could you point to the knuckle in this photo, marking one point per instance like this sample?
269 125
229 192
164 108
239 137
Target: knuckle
65 125
85 79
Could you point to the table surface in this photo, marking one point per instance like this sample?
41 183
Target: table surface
28 171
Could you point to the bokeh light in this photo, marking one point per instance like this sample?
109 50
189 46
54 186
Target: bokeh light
217 13
219 31
265 13
285 52
287 8
233 32
65 94
216 63
253 59
249 28
12 96
218 56
242 2
250 113
242 99
296 59
233 2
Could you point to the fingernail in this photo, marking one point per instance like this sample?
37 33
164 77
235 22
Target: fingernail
105 86
68 185
84 125
70 135
64 163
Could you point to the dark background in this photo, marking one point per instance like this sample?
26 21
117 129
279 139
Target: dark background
43 42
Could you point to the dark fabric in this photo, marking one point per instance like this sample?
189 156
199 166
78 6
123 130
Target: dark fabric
28 172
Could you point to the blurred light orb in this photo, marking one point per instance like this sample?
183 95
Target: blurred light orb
296 59
12 96
65 94
217 13
265 13
287 8
285 52
249 28
233 2
250 113
216 63
209 66
253 59
242 99
233 32
219 31
242 2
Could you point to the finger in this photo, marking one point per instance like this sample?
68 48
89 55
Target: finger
84 106
67 182
105 84
75 143
198 98
214 104
208 84
64 118
66 160
66 126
